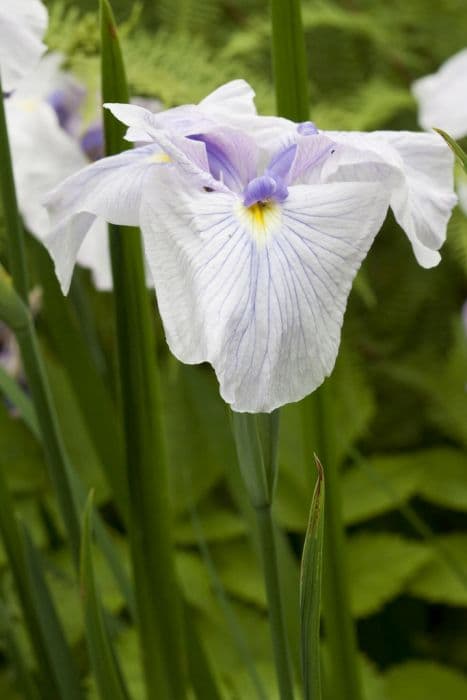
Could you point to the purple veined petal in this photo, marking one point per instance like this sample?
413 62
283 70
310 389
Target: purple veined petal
441 97
418 170
265 313
311 156
110 188
281 162
22 26
232 156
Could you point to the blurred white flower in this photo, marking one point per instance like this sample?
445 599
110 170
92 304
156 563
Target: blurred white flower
442 103
442 97
22 26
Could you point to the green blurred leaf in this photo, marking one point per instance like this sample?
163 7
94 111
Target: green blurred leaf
365 496
380 568
425 680
75 433
240 572
218 525
444 480
436 582
200 446
20 456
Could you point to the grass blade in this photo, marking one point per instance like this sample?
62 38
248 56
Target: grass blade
24 678
310 592
109 678
157 595
21 571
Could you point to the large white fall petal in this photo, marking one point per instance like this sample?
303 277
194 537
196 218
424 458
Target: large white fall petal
22 26
261 300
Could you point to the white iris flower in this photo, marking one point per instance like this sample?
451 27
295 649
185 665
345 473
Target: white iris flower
22 26
442 103
254 229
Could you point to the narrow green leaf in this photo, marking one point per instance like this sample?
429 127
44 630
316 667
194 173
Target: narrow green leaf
105 665
60 657
289 60
15 548
460 154
157 595
310 591
24 677
201 674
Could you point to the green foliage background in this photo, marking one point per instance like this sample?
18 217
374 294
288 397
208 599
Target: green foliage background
399 385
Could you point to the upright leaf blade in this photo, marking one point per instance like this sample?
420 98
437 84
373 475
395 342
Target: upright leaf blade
55 645
107 672
289 60
157 594
42 623
310 592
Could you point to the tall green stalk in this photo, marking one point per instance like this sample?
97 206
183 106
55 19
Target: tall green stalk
56 457
290 73
157 595
256 438
289 60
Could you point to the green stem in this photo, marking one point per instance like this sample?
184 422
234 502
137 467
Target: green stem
276 613
157 595
256 438
289 60
343 677
56 457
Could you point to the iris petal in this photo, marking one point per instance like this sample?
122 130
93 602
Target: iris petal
110 188
22 26
267 317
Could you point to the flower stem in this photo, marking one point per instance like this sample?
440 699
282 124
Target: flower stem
256 438
343 676
57 459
